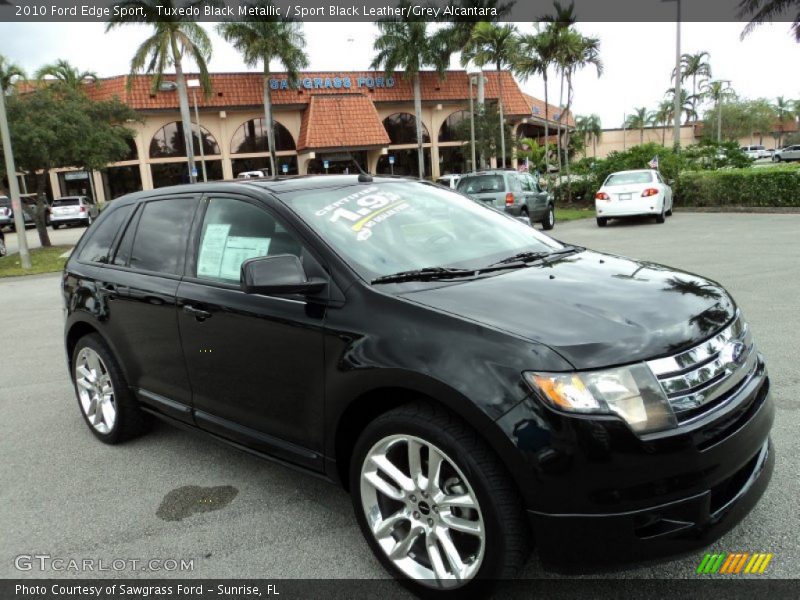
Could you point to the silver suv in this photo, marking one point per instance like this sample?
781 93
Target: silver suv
787 153
518 194
73 209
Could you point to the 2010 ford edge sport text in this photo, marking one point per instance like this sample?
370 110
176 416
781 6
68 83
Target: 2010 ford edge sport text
474 384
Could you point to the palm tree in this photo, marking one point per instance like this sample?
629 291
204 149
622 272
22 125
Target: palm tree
497 45
663 116
406 44
578 52
784 110
767 11
265 41
589 127
174 37
717 92
10 74
686 104
639 119
536 53
63 73
694 66
558 24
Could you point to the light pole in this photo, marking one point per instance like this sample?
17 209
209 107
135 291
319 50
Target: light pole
194 84
676 136
13 185
719 108
624 132
472 122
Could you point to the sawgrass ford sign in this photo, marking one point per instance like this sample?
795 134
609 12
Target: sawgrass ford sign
321 83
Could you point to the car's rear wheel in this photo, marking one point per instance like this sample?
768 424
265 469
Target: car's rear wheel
3 250
549 220
56 226
602 221
661 217
435 503
776 158
107 403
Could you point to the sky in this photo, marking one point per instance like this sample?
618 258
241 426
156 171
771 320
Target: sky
638 57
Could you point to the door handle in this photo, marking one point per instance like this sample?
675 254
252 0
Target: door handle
197 313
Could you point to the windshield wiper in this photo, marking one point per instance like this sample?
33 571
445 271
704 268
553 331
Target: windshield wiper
426 274
530 256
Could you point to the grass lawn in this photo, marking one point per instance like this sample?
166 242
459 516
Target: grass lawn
43 260
571 214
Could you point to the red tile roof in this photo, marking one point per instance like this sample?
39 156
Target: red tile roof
537 110
341 120
245 89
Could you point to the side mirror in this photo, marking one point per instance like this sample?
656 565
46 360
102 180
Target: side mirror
280 274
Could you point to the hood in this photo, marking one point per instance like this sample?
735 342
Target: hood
596 310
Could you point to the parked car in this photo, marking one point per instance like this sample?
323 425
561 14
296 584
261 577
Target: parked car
518 194
633 193
7 212
788 153
471 381
449 181
252 175
755 151
70 210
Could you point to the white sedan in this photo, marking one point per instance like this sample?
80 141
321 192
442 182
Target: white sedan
633 193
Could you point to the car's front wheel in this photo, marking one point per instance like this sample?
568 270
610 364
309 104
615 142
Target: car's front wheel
107 403
435 503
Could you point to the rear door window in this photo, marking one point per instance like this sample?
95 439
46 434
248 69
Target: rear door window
102 237
160 242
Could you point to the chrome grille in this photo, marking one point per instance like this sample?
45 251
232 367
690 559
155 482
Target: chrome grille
704 377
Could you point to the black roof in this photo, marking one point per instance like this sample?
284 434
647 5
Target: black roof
279 185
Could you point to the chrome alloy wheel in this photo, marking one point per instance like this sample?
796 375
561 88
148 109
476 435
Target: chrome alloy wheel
95 391
422 511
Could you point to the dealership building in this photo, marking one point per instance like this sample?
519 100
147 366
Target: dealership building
322 119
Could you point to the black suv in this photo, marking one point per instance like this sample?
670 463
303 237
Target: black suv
474 383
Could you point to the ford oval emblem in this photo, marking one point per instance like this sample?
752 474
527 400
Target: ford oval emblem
733 353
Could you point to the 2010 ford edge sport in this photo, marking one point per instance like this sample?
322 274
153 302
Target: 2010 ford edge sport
474 384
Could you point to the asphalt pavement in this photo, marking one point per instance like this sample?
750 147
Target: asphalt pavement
64 236
176 495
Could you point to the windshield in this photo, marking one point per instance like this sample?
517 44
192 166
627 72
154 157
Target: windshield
66 202
5 201
626 178
386 228
481 183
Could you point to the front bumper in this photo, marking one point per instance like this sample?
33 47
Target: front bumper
600 494
657 531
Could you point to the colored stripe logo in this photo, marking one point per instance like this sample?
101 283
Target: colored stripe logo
734 563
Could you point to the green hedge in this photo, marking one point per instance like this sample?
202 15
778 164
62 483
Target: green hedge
765 186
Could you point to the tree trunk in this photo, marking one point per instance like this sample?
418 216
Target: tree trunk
273 160
41 209
641 136
594 145
558 125
664 135
418 118
546 128
183 99
502 120
566 136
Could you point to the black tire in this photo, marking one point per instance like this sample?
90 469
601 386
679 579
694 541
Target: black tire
56 226
507 533
130 420
89 221
549 219
602 221
524 213
776 159
669 212
661 218
3 250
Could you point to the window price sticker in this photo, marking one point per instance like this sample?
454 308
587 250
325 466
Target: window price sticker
364 210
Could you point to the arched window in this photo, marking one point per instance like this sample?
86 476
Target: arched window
452 130
168 142
252 137
402 129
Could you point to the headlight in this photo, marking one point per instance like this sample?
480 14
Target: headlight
630 392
